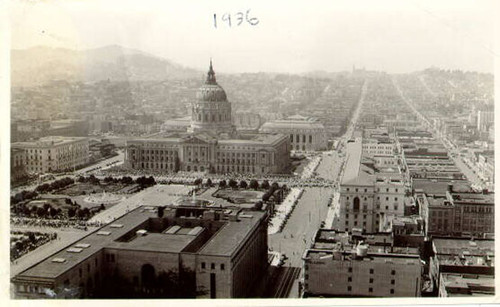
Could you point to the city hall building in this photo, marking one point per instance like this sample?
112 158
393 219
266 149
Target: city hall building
211 143
218 253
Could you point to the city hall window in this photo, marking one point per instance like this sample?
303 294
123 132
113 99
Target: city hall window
393 281
349 279
371 271
370 289
222 266
371 280
392 291
393 272
212 266
349 270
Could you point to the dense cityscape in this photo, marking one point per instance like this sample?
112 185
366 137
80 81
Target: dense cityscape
189 184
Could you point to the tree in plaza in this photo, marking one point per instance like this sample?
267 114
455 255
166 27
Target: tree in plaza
233 184
26 211
258 205
41 212
86 212
243 184
80 213
46 207
209 182
68 201
52 212
266 196
198 181
150 180
102 207
108 179
264 185
222 184
275 186
254 184
71 212
81 179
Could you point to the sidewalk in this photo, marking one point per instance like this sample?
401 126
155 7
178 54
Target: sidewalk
332 210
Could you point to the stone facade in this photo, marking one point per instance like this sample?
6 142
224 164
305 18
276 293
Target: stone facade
53 154
217 254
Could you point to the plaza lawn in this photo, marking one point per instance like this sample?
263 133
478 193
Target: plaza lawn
86 188
239 196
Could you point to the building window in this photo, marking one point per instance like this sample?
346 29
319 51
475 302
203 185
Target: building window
349 288
371 280
395 199
371 271
349 279
222 266
347 215
80 272
393 281
393 272
212 266
392 291
370 290
349 270
203 265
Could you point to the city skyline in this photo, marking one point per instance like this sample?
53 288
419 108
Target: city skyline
340 36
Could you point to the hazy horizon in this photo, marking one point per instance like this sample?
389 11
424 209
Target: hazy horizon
294 37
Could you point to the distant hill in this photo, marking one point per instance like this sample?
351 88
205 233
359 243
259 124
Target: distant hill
38 65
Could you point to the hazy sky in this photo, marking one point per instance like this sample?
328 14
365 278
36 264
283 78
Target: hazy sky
291 36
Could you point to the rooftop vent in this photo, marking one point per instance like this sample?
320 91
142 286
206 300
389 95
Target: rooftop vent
141 232
74 250
82 245
103 233
59 260
116 225
173 229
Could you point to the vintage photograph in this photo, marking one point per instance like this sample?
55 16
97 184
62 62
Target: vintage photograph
251 149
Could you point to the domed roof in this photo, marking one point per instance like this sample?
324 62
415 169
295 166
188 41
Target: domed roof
211 91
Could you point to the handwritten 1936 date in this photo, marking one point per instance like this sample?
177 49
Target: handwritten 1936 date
236 19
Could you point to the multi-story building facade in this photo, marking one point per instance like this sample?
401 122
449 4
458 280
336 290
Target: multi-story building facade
375 147
458 213
341 265
53 154
306 133
484 120
17 164
369 197
214 253
211 143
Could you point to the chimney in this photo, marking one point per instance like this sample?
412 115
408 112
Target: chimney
160 211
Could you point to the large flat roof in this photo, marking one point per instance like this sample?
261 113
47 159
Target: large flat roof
223 243
232 235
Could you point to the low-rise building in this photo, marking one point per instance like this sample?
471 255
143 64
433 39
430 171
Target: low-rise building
458 213
205 252
458 260
360 265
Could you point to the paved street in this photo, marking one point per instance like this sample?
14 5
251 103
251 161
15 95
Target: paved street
302 225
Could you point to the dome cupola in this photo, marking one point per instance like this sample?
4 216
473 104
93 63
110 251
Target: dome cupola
211 91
